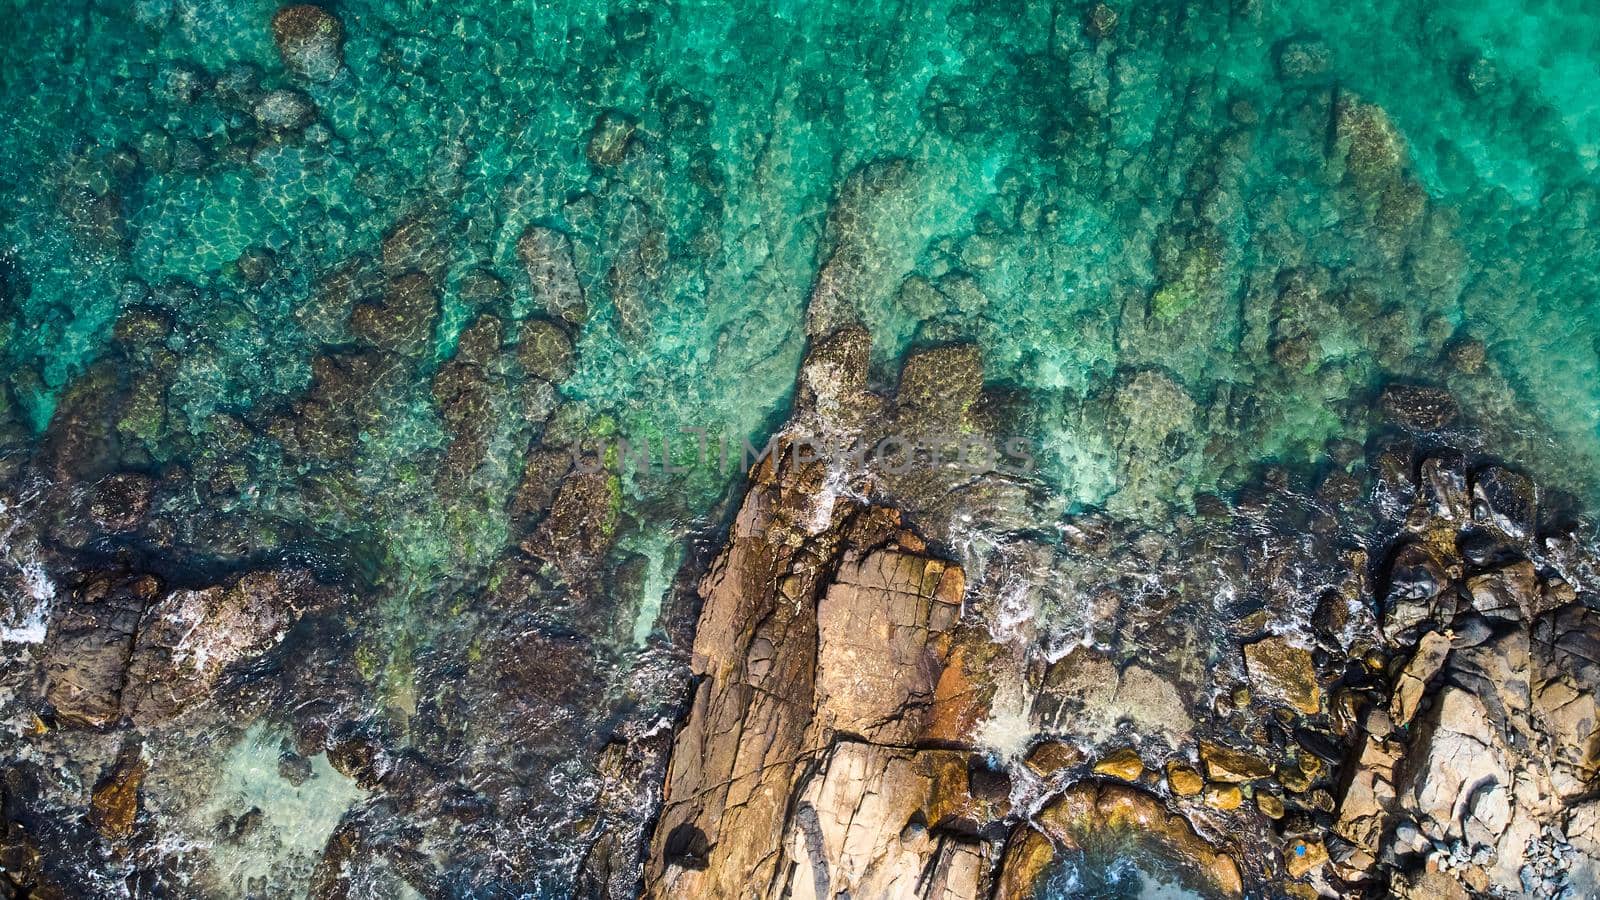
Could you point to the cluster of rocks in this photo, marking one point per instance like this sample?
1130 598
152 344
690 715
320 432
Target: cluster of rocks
906 682
1347 720
1489 742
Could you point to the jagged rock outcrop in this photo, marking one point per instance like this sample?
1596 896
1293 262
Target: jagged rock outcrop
1491 736
871 720
819 651
832 747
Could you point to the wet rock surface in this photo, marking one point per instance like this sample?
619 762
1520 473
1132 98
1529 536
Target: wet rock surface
887 700
1433 738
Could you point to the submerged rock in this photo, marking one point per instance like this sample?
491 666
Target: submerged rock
1419 407
310 40
545 351
284 110
608 141
403 321
546 255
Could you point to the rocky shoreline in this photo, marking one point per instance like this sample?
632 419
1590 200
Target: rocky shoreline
1427 728
302 591
1379 685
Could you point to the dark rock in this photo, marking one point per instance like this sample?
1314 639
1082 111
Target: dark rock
479 343
1340 491
82 441
360 755
1486 548
481 287
1477 76
191 637
1370 148
1100 22
346 395
89 645
940 387
541 480
464 397
1505 501
417 242
1418 407
310 40
246 824
404 320
1470 631
120 502
1467 356
581 526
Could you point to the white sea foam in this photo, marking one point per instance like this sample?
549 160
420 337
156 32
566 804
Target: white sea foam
25 619
1009 729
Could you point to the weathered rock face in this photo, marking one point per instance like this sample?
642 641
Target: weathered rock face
89 647
828 645
1491 732
123 647
869 722
190 637
831 747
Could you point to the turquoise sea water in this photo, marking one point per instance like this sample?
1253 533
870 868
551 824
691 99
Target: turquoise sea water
1194 241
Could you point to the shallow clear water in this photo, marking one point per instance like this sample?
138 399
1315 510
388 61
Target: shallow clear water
1128 875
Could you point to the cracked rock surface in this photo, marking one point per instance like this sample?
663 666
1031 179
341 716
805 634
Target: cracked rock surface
871 718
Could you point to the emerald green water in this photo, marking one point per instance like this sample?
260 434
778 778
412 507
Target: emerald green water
1079 206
